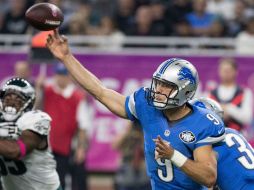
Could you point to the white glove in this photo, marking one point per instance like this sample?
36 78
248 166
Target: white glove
9 130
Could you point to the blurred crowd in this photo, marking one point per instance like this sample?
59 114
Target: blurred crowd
211 18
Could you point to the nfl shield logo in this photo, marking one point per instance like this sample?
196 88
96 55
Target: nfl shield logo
167 133
187 136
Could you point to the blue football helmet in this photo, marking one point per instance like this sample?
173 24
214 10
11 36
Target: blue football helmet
182 78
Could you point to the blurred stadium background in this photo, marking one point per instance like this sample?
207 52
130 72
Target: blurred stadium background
122 42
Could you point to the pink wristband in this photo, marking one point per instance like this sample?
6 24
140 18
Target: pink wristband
22 148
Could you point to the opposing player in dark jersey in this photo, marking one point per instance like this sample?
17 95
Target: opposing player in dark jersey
190 130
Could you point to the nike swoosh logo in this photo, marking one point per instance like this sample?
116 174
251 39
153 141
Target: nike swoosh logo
221 130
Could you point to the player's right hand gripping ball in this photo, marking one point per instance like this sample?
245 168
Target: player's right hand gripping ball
44 16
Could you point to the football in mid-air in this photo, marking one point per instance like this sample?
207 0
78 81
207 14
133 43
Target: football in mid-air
44 16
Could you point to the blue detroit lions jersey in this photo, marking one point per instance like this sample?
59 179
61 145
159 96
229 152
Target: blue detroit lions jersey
197 129
235 162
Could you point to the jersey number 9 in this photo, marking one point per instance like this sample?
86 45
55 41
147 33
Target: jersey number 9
166 176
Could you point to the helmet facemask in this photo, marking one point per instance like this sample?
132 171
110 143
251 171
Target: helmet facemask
162 94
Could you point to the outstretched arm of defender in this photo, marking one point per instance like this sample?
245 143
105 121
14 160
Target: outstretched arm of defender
114 101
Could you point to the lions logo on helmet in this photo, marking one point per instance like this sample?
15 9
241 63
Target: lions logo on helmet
24 91
180 76
185 74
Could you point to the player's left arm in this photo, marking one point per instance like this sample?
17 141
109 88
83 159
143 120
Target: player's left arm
203 169
16 149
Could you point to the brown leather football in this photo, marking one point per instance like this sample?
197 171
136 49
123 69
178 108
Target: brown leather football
44 16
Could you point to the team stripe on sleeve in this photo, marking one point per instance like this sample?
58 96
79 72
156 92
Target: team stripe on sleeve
130 107
212 140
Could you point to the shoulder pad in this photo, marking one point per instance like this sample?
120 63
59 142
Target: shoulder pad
211 128
36 121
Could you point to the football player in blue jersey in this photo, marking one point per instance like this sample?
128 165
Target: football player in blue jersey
235 155
164 114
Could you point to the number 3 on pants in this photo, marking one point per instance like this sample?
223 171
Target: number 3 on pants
168 175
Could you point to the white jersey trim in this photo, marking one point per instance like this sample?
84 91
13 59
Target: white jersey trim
212 140
131 106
